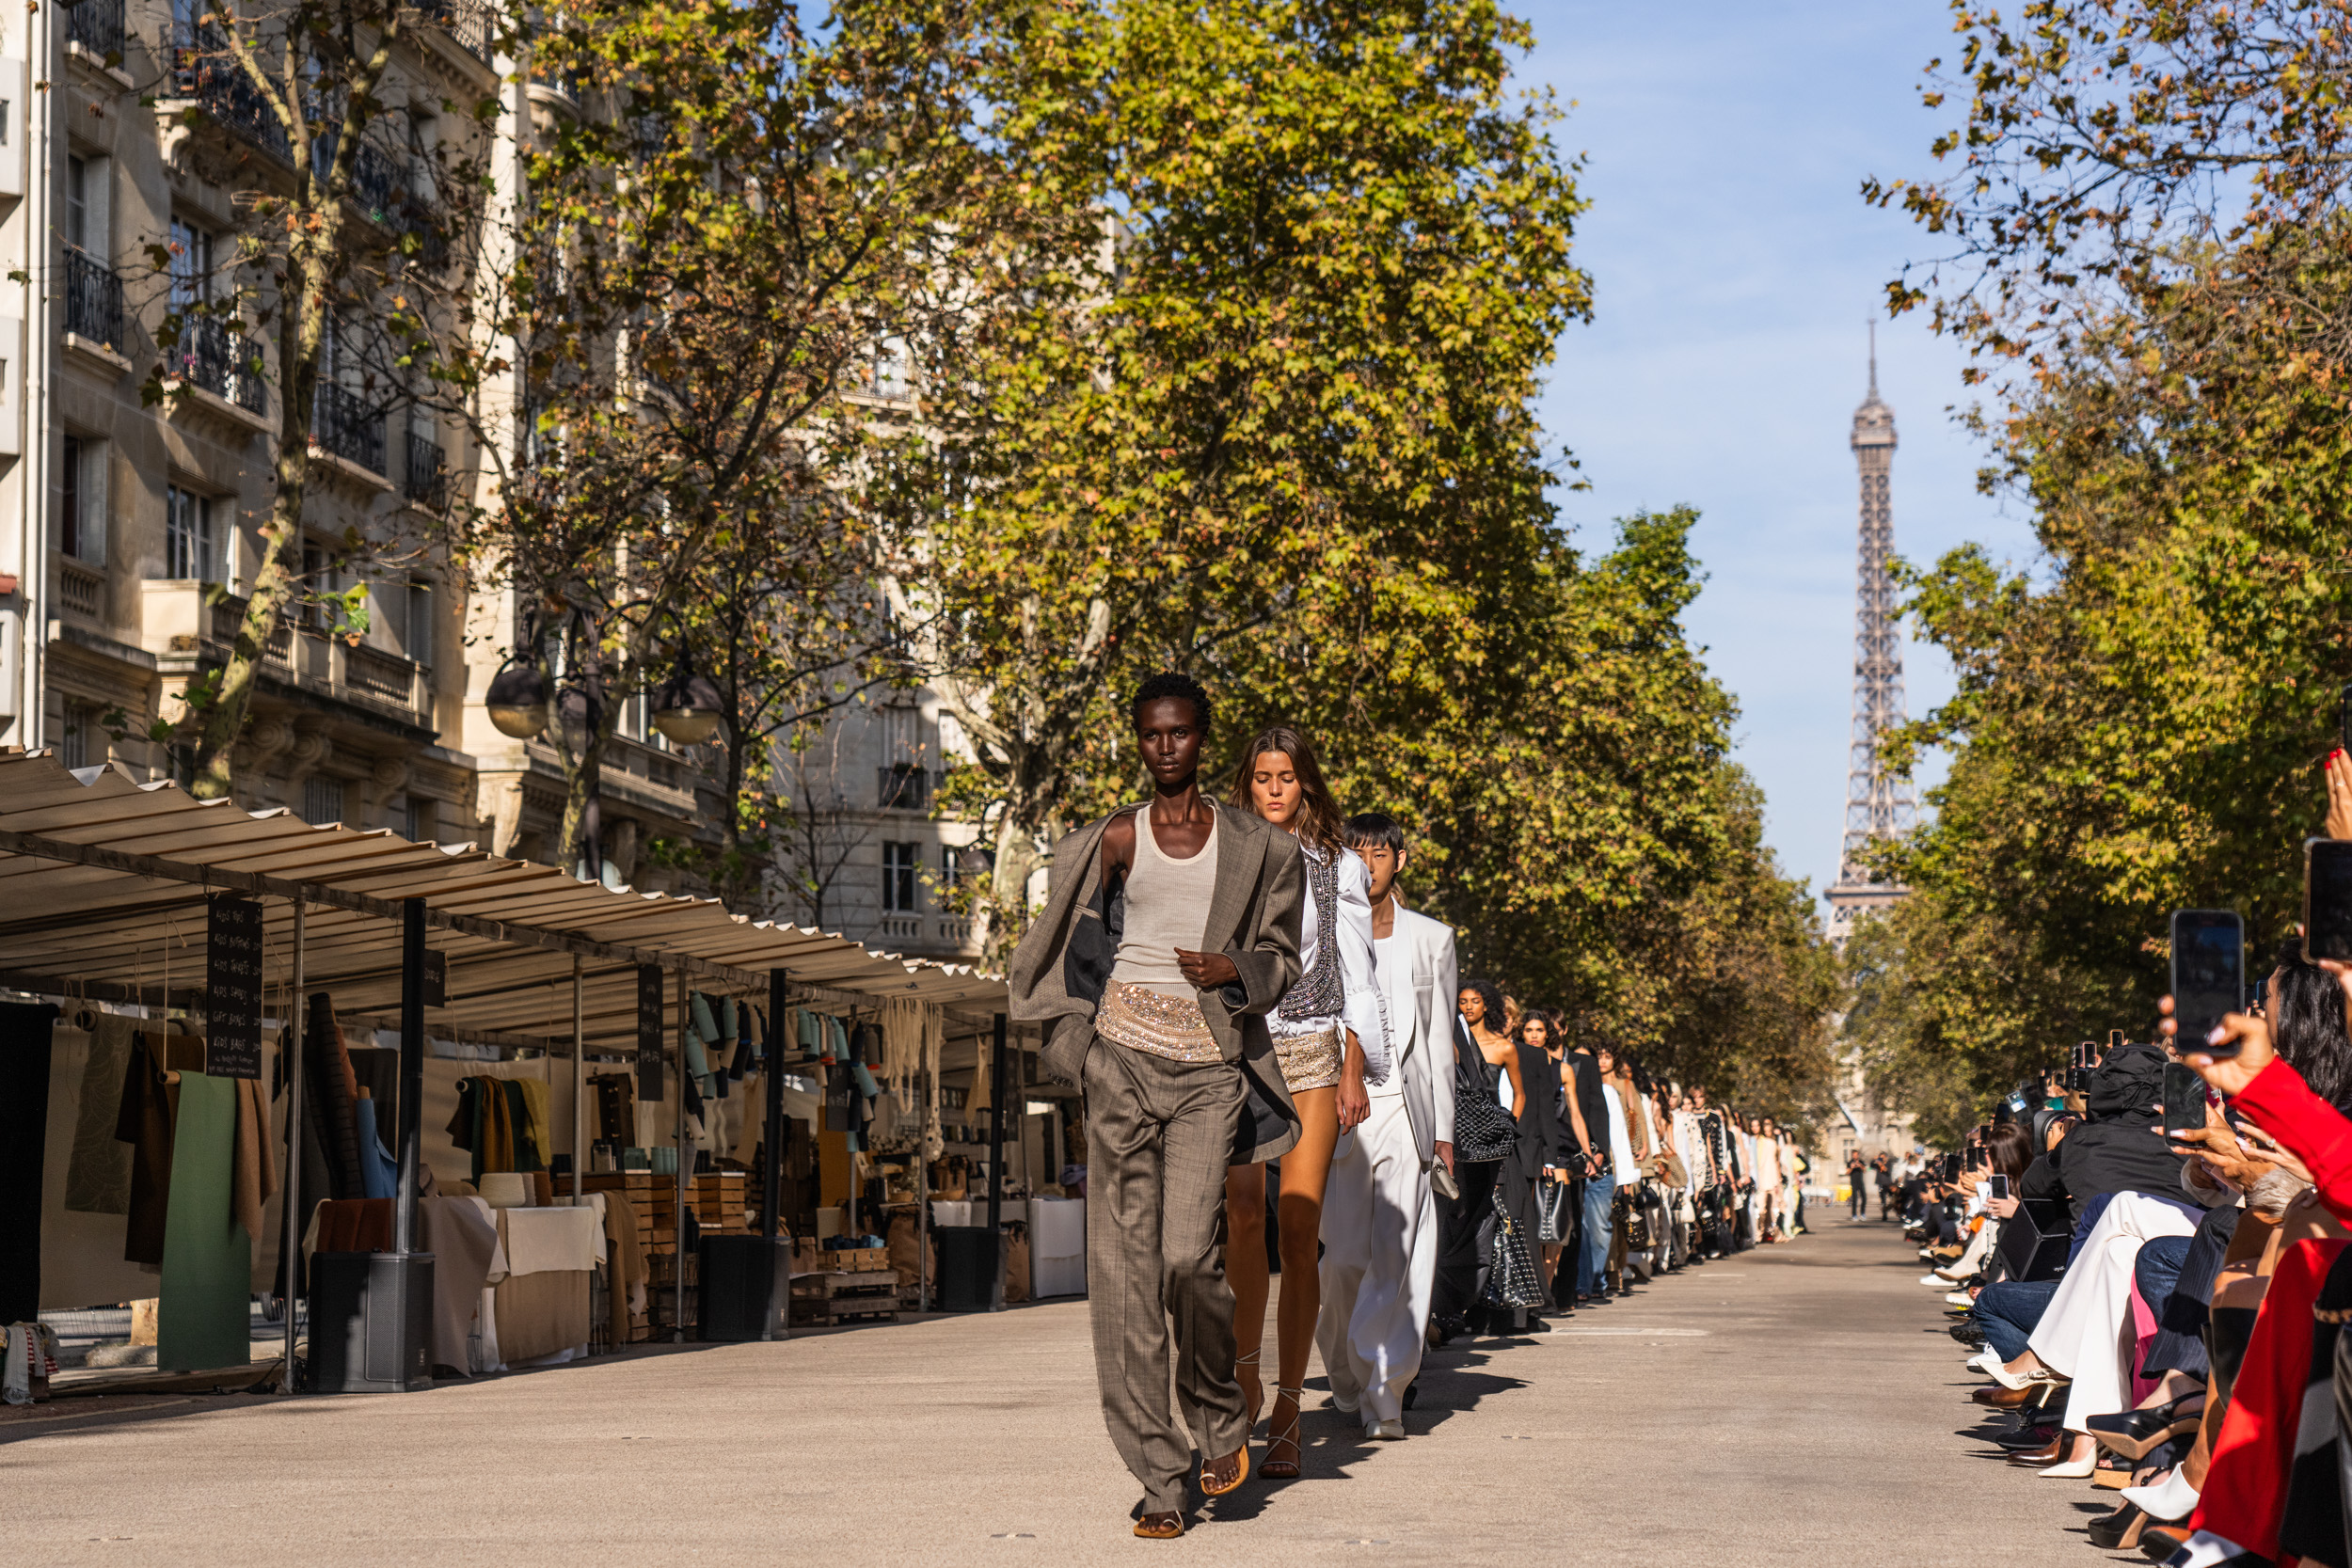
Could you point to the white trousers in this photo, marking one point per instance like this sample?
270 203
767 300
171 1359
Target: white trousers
2086 1332
1380 1259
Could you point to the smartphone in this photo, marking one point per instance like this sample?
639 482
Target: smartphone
1997 1185
2208 975
2184 1099
2327 900
2115 1041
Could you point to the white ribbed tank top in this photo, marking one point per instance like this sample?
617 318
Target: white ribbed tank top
1167 908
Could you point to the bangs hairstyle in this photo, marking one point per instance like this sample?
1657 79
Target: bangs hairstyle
1376 829
1319 818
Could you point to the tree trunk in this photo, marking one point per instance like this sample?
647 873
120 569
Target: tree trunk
223 711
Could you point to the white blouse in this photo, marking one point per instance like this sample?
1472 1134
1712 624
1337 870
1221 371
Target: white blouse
1360 1008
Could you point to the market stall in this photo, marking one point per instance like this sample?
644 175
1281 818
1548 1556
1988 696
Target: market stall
236 1016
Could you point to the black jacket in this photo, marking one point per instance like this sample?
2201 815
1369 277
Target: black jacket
1586 1072
2117 1148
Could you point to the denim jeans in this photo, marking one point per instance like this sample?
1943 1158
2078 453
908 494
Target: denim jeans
2011 1310
1592 1257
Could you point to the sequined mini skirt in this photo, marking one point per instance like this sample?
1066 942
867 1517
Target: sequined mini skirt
1309 1061
1170 1026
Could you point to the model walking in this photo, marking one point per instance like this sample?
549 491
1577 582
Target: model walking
1166 1035
1328 1037
1379 1215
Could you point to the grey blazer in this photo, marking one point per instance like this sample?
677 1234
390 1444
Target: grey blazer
1060 970
1424 1042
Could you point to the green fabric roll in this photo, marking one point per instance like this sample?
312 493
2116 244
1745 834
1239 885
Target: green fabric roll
204 1318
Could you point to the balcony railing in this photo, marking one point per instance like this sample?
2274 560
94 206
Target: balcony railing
97 26
903 787
341 423
222 362
427 480
466 21
378 187
202 69
93 300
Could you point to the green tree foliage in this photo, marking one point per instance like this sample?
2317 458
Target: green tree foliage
2151 219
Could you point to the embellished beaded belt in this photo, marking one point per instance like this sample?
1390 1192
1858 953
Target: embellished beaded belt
1170 1026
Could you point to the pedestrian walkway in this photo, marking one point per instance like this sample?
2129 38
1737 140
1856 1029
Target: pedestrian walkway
1785 1406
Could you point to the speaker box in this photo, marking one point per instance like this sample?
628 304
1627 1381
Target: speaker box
967 1266
746 1286
371 1322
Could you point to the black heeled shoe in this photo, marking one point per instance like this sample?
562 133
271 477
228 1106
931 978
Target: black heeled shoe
2119 1531
2133 1432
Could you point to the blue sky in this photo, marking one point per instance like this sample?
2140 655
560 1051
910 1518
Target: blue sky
1735 268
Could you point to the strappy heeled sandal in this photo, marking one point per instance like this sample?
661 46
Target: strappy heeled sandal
1253 1392
1283 1469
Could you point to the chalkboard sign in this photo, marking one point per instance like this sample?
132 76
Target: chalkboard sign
649 992
232 985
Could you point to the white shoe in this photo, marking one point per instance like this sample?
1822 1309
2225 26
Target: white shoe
1390 1431
1985 1360
2007 1378
2168 1501
1930 1280
1959 1298
2073 1470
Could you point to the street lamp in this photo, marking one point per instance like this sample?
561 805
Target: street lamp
518 701
686 708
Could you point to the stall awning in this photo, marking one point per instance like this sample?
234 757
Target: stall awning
104 882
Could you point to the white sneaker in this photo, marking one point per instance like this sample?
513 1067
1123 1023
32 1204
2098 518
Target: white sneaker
1959 1298
1390 1431
1930 1280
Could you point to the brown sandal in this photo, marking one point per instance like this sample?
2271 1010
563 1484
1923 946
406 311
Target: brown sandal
1283 1469
1160 1527
1240 1475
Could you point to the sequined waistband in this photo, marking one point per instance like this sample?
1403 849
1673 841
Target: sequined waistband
1146 1021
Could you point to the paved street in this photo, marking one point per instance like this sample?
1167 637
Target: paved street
1798 1405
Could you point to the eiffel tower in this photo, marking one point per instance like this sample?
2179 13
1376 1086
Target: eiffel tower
1878 805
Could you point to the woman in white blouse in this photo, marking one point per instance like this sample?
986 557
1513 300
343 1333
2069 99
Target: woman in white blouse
1331 1039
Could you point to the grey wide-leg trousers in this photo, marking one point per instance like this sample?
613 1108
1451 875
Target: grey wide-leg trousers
1159 1134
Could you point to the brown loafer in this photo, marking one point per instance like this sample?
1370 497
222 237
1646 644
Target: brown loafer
1241 1473
1160 1527
2050 1454
1998 1398
2158 1542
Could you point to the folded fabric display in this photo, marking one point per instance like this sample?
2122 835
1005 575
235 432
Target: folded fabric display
98 1172
31 1362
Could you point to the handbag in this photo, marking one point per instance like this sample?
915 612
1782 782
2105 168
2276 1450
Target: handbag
1637 1237
1552 1224
1511 1280
1483 1130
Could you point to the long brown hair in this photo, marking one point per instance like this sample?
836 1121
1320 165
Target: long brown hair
1320 822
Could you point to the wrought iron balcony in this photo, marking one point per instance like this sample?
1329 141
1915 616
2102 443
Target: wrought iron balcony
224 363
470 22
93 300
202 69
343 424
378 187
904 788
427 480
97 26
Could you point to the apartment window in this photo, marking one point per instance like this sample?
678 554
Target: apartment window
83 743
77 198
82 500
188 549
899 890
416 820
322 800
191 264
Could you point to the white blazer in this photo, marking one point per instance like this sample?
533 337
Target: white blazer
1422 1038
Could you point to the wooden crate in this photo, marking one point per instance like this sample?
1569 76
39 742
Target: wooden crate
823 1300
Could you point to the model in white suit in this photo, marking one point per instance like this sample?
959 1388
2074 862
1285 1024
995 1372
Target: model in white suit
1379 1219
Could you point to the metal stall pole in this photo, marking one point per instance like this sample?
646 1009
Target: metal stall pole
685 1162
923 1194
289 1243
580 1085
411 1073
772 1155
996 1169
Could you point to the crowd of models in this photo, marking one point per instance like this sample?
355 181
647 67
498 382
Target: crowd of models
1238 987
2160 1313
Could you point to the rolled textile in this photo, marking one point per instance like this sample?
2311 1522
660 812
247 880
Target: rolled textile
379 1173
98 1173
253 1174
203 1319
